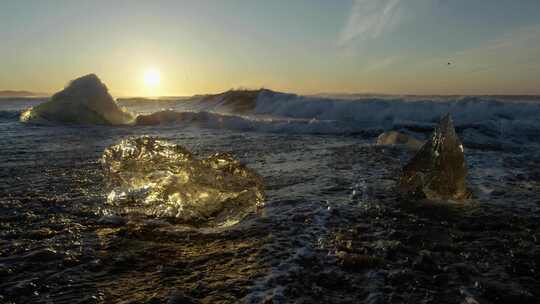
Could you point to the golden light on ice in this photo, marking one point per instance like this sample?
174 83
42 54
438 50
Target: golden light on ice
151 78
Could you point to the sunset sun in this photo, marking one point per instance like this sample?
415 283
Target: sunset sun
151 78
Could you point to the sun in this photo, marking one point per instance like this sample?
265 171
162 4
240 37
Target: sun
151 78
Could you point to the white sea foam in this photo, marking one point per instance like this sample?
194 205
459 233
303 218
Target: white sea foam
381 112
499 118
270 111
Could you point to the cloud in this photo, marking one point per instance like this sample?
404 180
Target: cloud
369 19
514 49
382 64
524 38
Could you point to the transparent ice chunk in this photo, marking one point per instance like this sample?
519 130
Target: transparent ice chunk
439 169
157 178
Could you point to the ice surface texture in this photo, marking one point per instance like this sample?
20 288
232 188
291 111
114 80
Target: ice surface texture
438 170
85 100
153 177
399 139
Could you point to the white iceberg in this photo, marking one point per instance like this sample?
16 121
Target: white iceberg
85 100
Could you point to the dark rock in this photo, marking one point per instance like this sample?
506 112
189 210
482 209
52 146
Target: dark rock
331 279
462 269
5 271
471 296
95 265
41 233
22 288
112 220
438 170
425 262
180 298
70 261
153 300
400 276
42 255
507 292
357 262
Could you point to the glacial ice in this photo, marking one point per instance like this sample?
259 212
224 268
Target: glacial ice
399 139
157 178
85 100
160 117
438 170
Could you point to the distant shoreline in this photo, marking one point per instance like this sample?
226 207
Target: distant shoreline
25 95
22 94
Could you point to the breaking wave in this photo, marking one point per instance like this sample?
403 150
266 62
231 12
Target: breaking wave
270 111
467 112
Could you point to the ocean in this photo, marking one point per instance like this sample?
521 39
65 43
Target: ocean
332 228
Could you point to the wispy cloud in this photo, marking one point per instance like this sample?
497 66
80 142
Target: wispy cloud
514 49
524 38
368 19
382 64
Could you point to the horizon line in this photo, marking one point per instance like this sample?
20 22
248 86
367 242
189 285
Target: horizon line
32 94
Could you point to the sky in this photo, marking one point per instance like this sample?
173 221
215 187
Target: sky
301 46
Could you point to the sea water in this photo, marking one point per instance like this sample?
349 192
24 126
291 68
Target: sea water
332 228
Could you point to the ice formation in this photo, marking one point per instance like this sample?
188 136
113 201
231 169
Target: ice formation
85 100
399 139
438 170
233 101
160 117
153 177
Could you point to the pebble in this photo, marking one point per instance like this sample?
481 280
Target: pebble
112 220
